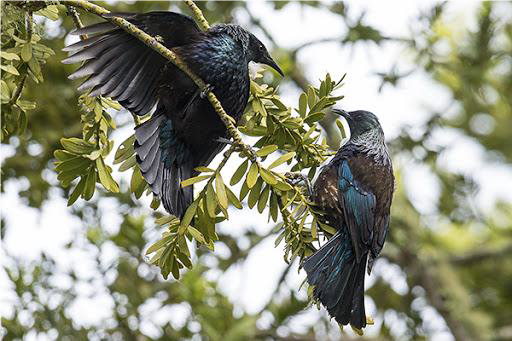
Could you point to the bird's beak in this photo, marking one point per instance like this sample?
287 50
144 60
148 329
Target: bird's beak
342 113
270 62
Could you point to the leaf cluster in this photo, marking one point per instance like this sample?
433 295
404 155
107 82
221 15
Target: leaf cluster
21 58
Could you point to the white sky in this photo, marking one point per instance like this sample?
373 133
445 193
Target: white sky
250 284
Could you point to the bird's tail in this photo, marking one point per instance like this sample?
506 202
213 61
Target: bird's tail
164 162
338 280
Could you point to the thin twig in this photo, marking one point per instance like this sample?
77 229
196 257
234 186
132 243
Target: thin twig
17 94
198 14
482 255
227 155
29 28
76 19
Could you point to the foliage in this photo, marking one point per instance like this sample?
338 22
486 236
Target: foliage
455 261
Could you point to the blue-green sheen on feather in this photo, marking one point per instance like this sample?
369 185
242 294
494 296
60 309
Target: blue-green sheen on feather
358 202
173 150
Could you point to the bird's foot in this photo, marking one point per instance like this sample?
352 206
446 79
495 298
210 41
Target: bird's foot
298 178
223 140
208 89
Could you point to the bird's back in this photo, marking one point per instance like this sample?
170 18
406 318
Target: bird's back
373 173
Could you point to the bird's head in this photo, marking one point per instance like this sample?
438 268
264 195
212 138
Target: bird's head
257 52
360 122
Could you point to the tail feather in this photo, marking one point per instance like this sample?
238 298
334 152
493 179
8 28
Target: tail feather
163 162
338 280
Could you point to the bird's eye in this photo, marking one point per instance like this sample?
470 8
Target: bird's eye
261 47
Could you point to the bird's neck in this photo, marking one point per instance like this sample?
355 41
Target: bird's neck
370 143
368 140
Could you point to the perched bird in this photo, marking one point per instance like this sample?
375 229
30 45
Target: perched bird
184 131
355 191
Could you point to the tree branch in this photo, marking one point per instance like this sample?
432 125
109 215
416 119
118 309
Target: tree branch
479 256
76 19
198 14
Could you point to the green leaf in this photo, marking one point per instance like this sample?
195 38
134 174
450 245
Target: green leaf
314 117
268 176
280 238
314 233
63 155
90 184
166 219
320 105
303 104
244 191
77 165
233 199
328 83
195 179
255 193
10 69
26 52
253 175
105 177
279 104
221 191
5 92
283 186
137 183
128 163
189 214
36 69
311 97
159 244
76 145
322 91
125 150
77 191
239 173
327 228
262 201
284 158
266 150
273 206
9 56
197 235
51 12
203 169
184 259
26 105
155 202
211 201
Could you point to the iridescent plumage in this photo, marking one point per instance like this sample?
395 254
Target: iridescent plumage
355 191
183 130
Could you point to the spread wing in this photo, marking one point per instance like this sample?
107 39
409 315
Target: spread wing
358 209
120 66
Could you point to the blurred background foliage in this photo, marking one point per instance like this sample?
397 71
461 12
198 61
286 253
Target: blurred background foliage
455 262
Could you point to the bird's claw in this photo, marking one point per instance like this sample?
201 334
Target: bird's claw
294 178
297 178
224 140
208 89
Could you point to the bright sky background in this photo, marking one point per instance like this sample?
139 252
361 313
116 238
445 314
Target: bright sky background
250 284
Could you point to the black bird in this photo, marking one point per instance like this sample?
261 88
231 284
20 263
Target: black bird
355 191
184 131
